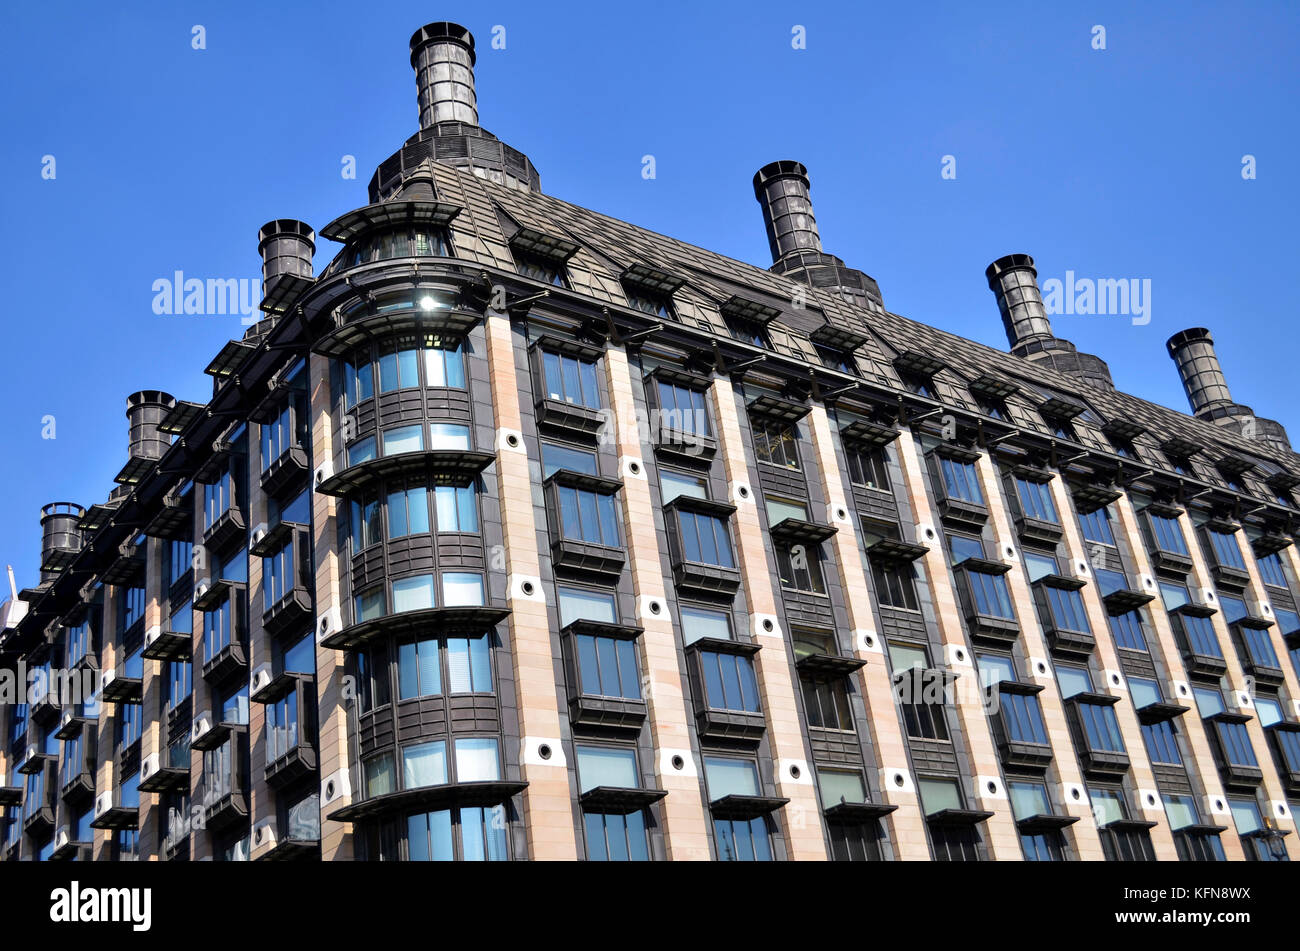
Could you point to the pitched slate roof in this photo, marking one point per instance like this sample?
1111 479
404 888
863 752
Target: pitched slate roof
608 246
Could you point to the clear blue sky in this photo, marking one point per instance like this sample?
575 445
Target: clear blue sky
1120 163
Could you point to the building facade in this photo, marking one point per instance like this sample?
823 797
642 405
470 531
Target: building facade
519 532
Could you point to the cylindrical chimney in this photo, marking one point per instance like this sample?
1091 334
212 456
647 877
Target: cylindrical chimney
60 535
1193 351
442 55
1014 281
782 191
286 247
144 411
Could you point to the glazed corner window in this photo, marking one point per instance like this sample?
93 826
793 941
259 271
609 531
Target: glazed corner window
365 522
1227 552
775 443
799 568
358 380
1036 500
682 409
869 468
408 511
960 481
570 379
1095 527
1168 534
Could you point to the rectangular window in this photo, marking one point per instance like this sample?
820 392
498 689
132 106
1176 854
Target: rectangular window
399 369
588 516
178 682
1068 613
1260 647
419 670
775 443
281 726
868 468
556 457
990 595
408 511
363 450
358 380
277 576
424 764
1168 534
705 539
540 269
702 622
1127 630
675 484
1271 570
131 607
1227 552
1095 527
217 630
403 439
469 665
444 363
826 702
1199 634
729 682
413 594
682 409
365 522
462 589
477 760
580 604
571 380
457 508
180 559
1036 500
895 585
607 667
449 436
611 836
800 569
960 480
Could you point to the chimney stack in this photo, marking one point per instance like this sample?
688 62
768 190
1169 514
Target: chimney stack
60 537
1207 390
144 411
1014 281
286 247
1193 351
442 55
782 190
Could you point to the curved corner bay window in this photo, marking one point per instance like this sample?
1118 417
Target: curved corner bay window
737 840
607 666
384 246
571 380
1168 534
775 442
407 505
431 360
682 409
612 836
960 481
1036 500
420 664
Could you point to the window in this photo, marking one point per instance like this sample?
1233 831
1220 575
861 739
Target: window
570 379
278 576
775 443
1199 635
424 764
705 539
408 511
1039 566
1097 721
673 484
1234 740
588 516
1168 534
449 436
1254 835
800 568
358 380
365 522
373 678
74 760
960 481
826 702
217 630
180 559
581 604
895 585
748 331
1119 844
1068 613
778 510
729 682
1259 646
951 843
234 708
1029 799
1036 500
300 656
130 607
399 367
457 508
130 721
917 690
738 840
419 672
1161 738
682 408
918 384
647 304
1271 570
217 499
369 604
556 457
962 547
607 667
1227 553
611 836
990 595
286 430
444 363
1109 581
1022 717
1198 846
281 726
1127 630
480 832
703 622
538 268
868 467
1095 527
413 593
178 682
403 439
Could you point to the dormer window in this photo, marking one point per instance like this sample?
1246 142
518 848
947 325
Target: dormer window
747 331
649 304
542 269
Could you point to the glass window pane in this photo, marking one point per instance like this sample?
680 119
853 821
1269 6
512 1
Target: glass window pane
424 764
598 766
727 777
413 594
476 760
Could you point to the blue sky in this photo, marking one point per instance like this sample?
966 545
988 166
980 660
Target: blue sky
1119 163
